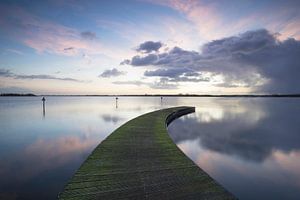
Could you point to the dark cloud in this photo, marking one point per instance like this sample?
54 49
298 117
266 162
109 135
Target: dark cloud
280 64
125 62
8 73
69 49
111 73
177 75
191 73
88 35
245 43
176 57
189 79
47 77
255 59
166 72
149 46
149 59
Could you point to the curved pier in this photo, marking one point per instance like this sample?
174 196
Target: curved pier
140 161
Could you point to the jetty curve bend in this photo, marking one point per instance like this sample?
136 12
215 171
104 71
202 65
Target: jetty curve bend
140 161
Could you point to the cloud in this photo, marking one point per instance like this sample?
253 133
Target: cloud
15 51
125 62
192 73
149 46
8 73
138 83
188 79
176 57
69 49
165 72
149 59
213 19
47 77
177 75
162 83
203 15
245 43
255 59
45 35
111 73
88 35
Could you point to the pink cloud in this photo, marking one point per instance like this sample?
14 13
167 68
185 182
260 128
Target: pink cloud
211 23
44 35
204 16
280 23
291 29
15 51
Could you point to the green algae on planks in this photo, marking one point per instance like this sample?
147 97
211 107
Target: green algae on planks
140 161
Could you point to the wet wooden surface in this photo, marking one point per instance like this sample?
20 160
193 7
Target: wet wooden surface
140 161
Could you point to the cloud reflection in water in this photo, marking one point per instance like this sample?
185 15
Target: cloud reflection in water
251 147
23 167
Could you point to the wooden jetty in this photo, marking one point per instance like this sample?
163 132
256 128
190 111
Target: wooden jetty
140 161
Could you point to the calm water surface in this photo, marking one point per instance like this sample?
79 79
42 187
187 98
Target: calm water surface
249 145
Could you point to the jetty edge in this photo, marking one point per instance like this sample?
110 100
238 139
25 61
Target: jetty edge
139 160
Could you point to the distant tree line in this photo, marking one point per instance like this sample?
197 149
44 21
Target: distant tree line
166 95
17 94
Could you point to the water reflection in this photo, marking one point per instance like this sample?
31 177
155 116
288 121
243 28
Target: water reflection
22 171
117 102
249 133
38 156
251 147
42 155
44 111
111 118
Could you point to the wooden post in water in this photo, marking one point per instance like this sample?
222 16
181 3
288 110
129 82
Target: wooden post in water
44 112
117 102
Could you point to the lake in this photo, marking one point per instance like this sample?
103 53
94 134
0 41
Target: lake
249 145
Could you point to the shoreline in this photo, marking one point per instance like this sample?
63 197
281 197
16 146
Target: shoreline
153 95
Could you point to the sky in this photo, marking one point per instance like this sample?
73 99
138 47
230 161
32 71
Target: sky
150 47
